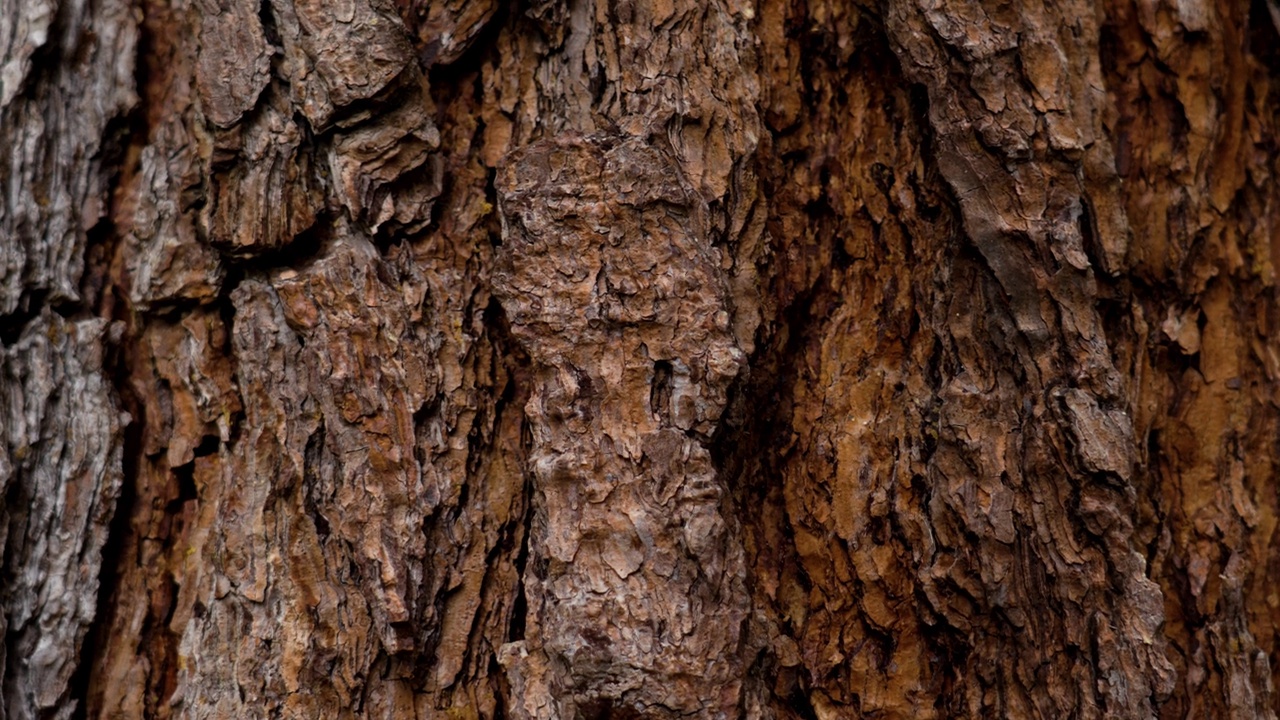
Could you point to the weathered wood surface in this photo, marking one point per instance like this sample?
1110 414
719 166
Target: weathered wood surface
631 358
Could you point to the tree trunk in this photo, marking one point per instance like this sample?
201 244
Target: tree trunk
805 359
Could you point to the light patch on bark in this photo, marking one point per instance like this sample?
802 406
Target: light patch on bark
61 437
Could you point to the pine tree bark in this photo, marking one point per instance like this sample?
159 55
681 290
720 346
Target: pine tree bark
639 358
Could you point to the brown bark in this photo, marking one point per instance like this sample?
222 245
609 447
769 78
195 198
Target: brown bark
631 358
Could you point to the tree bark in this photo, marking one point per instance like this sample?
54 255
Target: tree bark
639 358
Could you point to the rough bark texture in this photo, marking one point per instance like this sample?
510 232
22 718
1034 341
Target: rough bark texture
637 593
60 462
566 359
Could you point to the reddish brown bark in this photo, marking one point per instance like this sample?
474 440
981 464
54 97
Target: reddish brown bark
613 359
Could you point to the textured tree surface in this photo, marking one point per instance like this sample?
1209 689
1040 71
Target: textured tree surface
584 359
